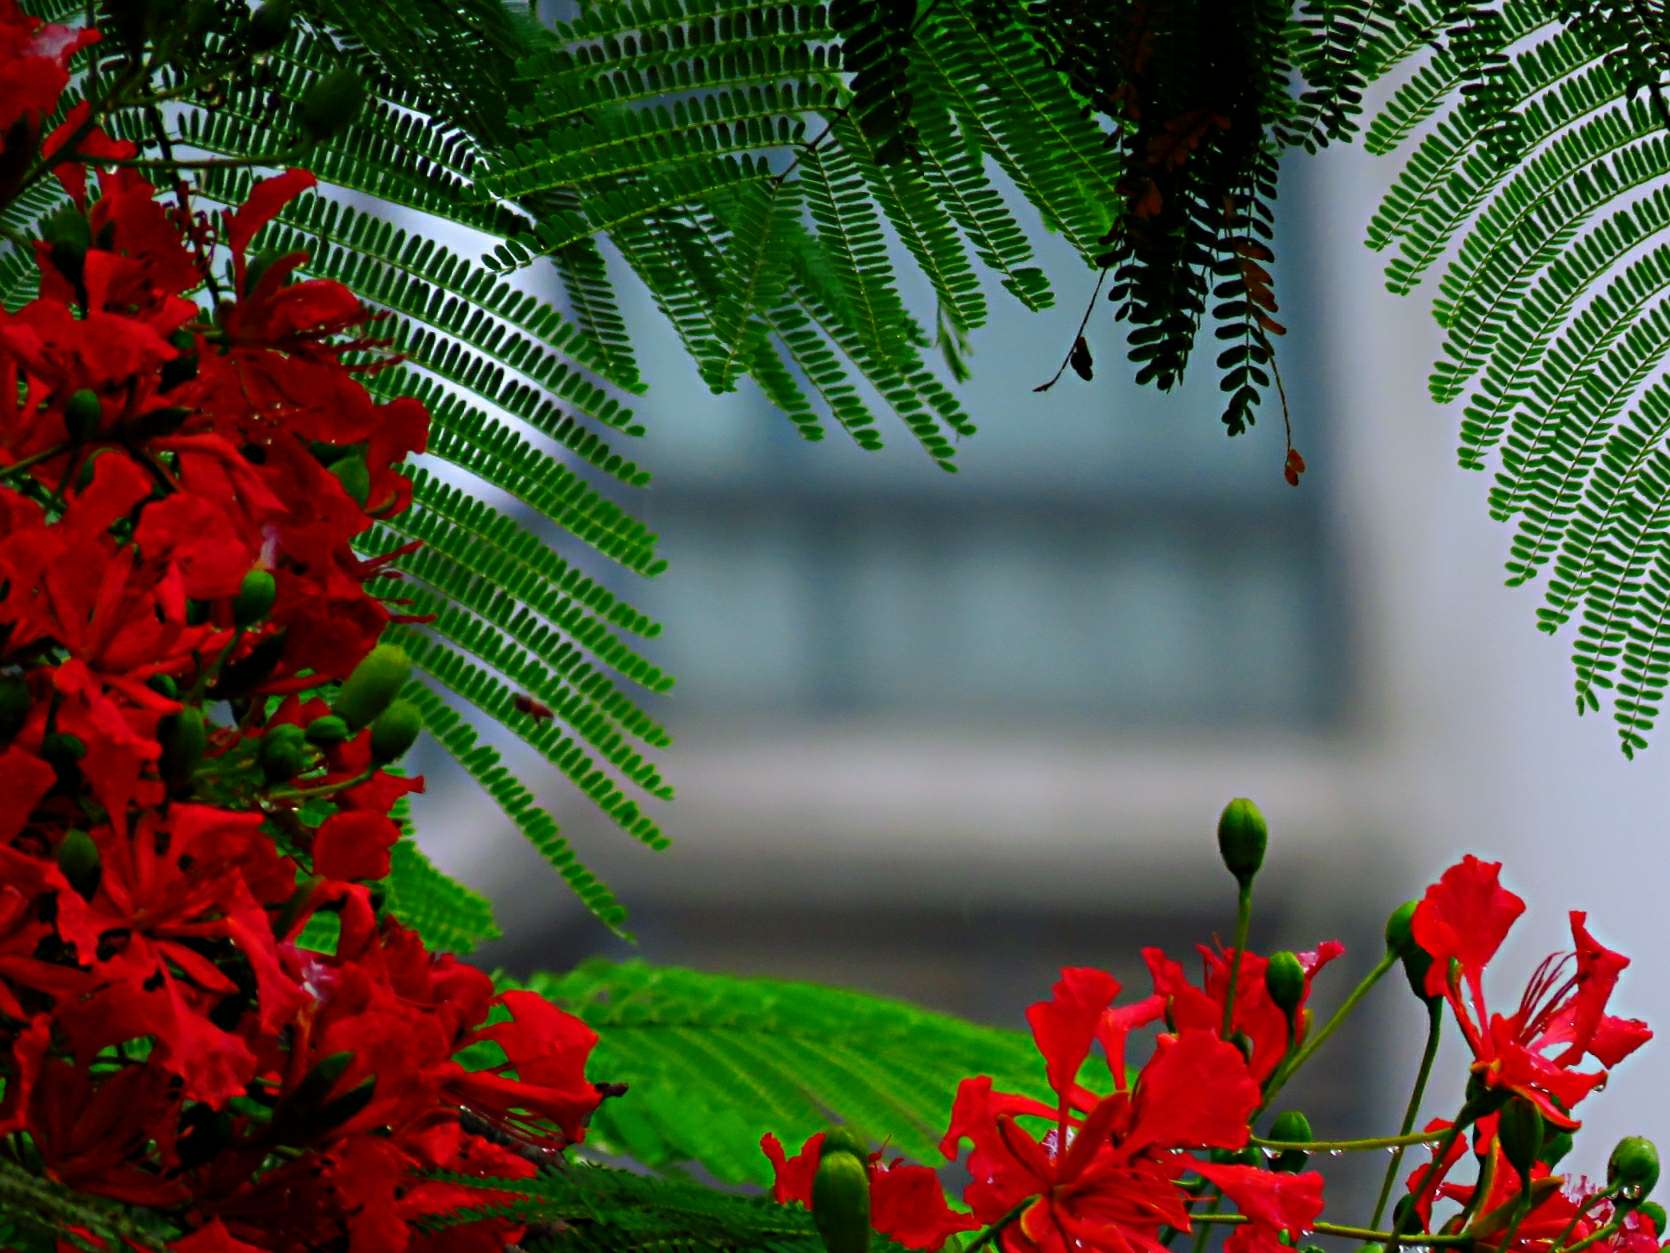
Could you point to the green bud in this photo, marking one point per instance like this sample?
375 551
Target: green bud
331 103
164 685
1555 1147
269 25
197 612
1519 1130
1400 939
394 731
78 858
841 1203
1290 1125
68 228
1244 1042
1242 837
1284 979
1416 963
184 736
1654 1211
14 706
355 477
62 751
373 684
82 414
282 756
845 1140
1633 1167
1234 1157
327 730
1405 1218
255 598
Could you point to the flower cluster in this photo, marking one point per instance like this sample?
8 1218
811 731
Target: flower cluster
1160 1151
198 738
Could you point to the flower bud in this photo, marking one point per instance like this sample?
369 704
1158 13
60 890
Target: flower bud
1290 1125
1519 1130
1416 962
1284 979
184 737
82 414
355 477
331 103
1400 937
78 858
1654 1211
269 25
327 730
255 597
164 685
1633 1167
1242 837
841 1202
1234 1157
63 752
394 731
281 754
376 681
844 1140
14 706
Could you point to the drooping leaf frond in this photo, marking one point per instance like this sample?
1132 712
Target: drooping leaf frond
1545 169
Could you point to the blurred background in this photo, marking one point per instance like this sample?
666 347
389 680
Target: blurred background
939 735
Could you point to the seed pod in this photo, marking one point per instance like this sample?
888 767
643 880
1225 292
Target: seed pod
1633 1167
1242 837
255 597
841 1202
1290 1125
327 730
78 858
184 737
1400 938
394 731
82 414
331 103
1519 1130
14 706
355 477
373 684
1284 979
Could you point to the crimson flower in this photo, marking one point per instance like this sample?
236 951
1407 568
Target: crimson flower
1104 1173
1561 1019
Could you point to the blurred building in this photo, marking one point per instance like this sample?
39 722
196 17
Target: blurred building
939 735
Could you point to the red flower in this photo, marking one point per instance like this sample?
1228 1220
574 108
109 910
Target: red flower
907 1202
1560 1020
1103 1176
1256 1015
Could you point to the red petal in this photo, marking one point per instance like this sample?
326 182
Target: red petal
1465 915
1065 1026
1195 1090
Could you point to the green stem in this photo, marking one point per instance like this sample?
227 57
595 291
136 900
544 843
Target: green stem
990 1234
1351 1233
211 672
1577 1216
1430 1183
1435 1027
1243 920
1280 1078
196 163
34 458
323 789
1610 1229
1351 1146
1204 1231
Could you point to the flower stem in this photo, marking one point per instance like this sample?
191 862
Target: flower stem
990 1234
1611 1228
1435 1026
1355 1233
1243 920
1351 1146
1280 1078
23 463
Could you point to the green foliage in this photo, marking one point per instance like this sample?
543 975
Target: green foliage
40 1216
713 1062
1543 171
591 1209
